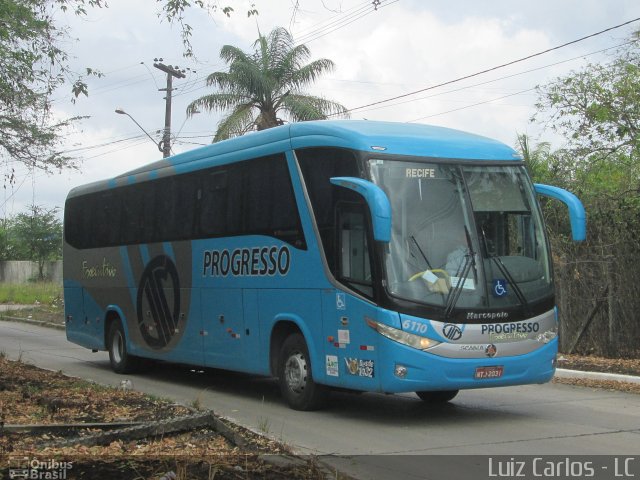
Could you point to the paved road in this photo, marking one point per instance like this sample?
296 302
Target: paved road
377 436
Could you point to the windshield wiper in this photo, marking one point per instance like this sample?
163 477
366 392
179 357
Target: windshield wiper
469 261
421 252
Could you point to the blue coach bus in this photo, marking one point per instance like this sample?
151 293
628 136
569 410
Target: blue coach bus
359 255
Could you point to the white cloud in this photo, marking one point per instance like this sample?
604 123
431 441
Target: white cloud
401 48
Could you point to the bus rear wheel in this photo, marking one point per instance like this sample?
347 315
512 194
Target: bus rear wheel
295 377
440 396
120 359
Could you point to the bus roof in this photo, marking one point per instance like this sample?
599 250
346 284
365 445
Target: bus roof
402 139
389 137
412 139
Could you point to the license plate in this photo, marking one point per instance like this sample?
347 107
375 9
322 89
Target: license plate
483 373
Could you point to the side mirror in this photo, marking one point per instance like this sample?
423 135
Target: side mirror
577 215
377 201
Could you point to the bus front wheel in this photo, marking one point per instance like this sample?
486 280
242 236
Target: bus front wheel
440 396
295 378
120 359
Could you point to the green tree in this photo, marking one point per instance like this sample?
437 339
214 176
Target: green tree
261 86
34 63
174 12
597 109
536 158
37 236
32 66
5 244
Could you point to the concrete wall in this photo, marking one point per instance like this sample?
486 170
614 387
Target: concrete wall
25 271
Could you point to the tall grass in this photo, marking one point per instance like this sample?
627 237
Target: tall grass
46 293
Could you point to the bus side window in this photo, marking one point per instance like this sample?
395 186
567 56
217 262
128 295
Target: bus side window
77 224
213 206
107 219
318 165
269 204
354 261
184 207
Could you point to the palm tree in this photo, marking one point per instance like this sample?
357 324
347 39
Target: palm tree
265 84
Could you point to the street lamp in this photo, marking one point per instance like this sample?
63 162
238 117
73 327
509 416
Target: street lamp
122 112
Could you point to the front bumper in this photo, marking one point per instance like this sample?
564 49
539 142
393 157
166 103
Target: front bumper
425 371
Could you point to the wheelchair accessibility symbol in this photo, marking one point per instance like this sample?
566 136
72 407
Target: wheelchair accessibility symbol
499 287
341 301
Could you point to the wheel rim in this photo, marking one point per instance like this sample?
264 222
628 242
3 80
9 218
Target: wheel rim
295 372
117 347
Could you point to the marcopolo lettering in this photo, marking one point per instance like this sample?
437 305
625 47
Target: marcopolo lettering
487 315
499 328
247 262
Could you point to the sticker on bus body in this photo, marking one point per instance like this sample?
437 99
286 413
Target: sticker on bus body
360 367
332 365
344 337
341 301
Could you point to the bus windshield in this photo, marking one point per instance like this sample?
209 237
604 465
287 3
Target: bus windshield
463 236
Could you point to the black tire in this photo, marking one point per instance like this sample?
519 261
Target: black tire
440 396
295 377
120 359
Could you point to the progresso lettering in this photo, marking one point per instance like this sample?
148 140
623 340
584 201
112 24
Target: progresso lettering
500 328
247 262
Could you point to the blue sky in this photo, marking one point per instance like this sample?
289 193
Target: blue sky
405 45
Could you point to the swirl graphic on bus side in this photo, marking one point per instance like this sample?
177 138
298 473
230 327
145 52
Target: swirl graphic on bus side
158 302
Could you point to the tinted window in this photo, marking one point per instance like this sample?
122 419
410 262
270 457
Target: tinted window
354 261
251 197
318 165
215 196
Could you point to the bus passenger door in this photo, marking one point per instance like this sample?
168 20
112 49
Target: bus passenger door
223 328
351 357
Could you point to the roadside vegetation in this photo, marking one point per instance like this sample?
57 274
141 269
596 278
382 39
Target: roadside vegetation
34 235
40 301
596 110
105 432
36 293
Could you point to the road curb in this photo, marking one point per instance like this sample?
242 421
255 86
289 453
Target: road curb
40 323
563 373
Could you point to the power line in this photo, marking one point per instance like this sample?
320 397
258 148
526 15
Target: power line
331 20
343 22
100 145
360 11
522 59
365 8
123 147
499 78
474 105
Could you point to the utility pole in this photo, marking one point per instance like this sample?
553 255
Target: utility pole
171 72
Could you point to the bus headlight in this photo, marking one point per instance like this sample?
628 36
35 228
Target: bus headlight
400 336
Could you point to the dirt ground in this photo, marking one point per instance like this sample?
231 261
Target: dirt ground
43 423
624 366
